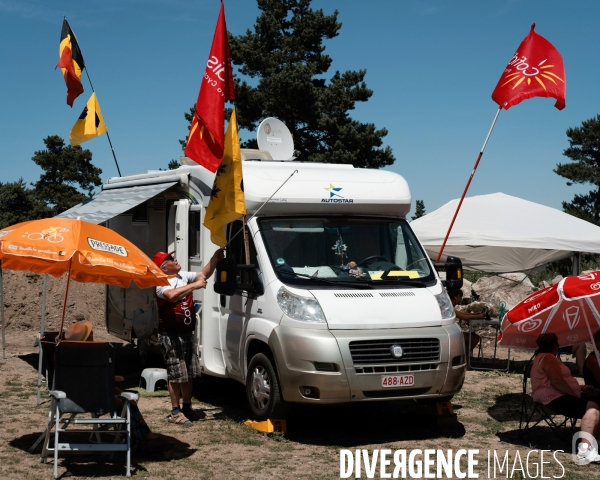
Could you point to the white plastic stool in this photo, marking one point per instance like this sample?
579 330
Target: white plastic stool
153 375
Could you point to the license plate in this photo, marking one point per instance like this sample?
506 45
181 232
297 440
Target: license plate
388 381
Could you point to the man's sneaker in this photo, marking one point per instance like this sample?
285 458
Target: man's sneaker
591 454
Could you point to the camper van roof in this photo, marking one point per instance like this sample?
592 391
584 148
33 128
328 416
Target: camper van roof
316 188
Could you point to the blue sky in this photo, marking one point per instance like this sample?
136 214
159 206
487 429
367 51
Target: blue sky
431 64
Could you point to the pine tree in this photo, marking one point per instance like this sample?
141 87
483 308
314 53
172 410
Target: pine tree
584 152
284 61
67 171
419 209
19 204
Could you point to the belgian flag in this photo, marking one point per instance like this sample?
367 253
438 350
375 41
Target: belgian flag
90 123
71 62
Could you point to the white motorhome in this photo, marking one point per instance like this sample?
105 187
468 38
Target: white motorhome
297 325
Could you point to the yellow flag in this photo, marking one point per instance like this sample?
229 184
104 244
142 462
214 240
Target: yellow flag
90 123
227 202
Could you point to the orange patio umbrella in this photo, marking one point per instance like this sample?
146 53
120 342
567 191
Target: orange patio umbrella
85 251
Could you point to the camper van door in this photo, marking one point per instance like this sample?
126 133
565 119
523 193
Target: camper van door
238 309
177 236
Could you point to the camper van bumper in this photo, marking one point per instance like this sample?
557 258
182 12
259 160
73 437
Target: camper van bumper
309 359
317 366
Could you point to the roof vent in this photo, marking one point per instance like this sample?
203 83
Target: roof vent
255 154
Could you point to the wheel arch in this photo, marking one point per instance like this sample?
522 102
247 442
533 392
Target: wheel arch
253 346
256 345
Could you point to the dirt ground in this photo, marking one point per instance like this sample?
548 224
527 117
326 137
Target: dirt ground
222 447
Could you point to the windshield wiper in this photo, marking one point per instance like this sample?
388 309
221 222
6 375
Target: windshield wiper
331 282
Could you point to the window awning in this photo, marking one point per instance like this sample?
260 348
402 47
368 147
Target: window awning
110 203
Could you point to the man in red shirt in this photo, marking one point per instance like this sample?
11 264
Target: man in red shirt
176 322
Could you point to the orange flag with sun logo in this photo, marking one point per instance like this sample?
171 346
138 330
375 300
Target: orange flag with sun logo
535 70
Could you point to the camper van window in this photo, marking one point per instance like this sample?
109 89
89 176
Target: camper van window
194 234
339 250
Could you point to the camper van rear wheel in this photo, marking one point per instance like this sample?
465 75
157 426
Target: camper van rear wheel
262 389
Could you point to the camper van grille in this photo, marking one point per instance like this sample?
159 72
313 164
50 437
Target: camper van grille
397 294
378 352
353 295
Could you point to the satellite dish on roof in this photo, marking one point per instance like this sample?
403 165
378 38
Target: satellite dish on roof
274 137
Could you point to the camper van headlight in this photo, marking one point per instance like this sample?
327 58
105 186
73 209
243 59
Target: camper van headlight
299 308
445 305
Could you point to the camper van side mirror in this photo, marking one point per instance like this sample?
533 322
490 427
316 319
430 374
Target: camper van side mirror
454 273
228 273
225 281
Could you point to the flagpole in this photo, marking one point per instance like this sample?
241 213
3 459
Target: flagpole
107 135
259 208
467 186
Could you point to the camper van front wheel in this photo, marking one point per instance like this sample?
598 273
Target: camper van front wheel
262 389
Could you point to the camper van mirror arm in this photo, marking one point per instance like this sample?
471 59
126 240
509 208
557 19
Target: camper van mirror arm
454 273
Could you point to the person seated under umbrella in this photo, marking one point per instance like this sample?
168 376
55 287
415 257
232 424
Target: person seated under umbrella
578 352
554 386
591 369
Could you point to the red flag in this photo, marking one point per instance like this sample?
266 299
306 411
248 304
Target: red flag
71 62
536 70
205 141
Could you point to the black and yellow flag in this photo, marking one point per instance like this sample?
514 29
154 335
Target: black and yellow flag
227 202
90 123
70 62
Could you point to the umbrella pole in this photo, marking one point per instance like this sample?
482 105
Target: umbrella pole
2 312
42 327
62 322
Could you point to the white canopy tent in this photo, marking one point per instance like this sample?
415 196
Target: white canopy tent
501 233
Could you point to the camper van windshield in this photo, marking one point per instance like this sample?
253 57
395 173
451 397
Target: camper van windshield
322 251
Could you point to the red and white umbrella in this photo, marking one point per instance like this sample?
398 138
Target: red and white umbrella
570 309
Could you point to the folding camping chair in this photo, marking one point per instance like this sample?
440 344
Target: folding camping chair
533 413
84 377
48 344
